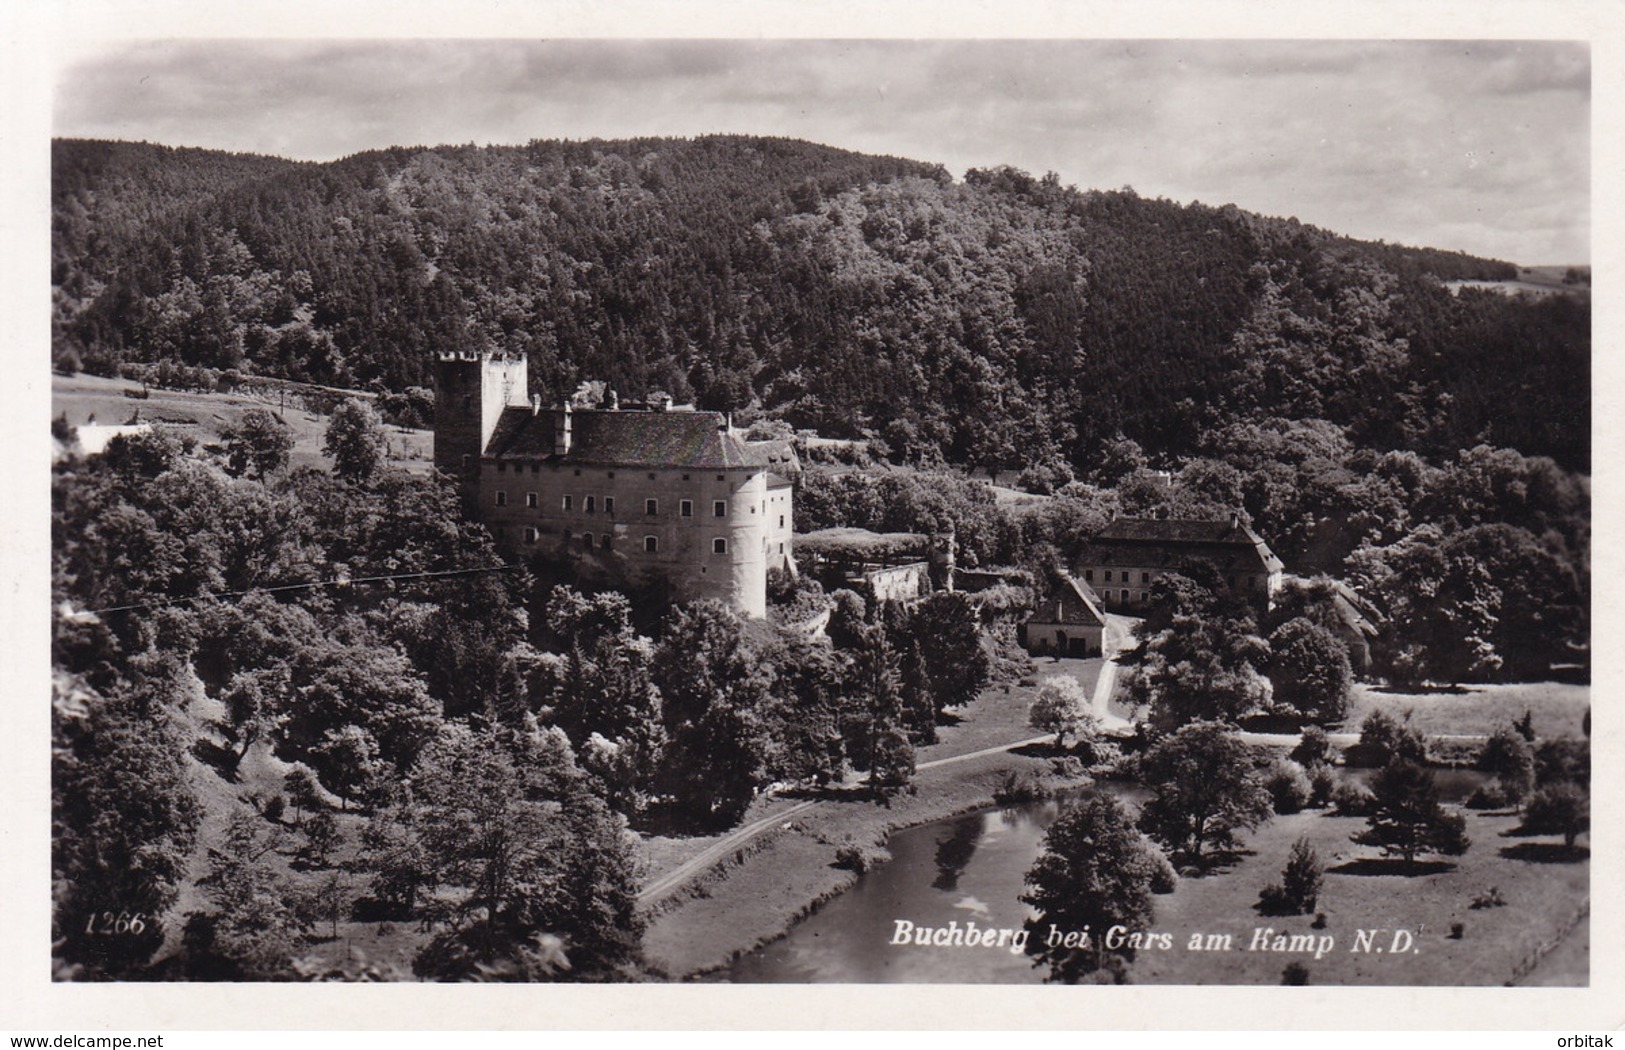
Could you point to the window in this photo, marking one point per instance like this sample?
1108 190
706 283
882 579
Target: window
1089 575
578 473
722 477
719 508
651 507
502 498
586 540
609 504
685 477
603 541
567 535
1145 577
651 544
651 477
781 548
530 534
591 504
567 503
719 546
530 499
1142 596
611 475
781 521
686 508
1108 576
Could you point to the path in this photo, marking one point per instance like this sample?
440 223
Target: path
1117 631
736 839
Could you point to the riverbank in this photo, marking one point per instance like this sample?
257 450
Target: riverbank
754 894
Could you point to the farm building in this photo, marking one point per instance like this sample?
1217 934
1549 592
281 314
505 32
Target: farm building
1068 621
1123 560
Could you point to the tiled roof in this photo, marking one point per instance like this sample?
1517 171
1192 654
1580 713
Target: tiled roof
1083 594
602 437
1175 530
1158 542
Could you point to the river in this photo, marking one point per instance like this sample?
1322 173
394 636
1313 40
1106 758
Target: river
968 871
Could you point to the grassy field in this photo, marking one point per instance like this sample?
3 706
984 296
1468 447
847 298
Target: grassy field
1545 891
1478 710
85 399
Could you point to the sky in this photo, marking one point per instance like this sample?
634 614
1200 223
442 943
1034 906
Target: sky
1472 145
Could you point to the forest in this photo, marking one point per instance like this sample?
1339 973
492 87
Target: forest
411 733
866 297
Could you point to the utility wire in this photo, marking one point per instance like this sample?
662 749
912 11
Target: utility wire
284 587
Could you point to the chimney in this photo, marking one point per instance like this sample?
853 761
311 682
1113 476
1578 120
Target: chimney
725 423
535 404
561 431
612 400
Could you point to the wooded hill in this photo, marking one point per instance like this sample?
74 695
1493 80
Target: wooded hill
865 296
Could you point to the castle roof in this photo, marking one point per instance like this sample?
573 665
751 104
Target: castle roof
609 437
1170 541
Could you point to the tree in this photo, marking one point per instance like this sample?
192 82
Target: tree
526 864
302 790
1299 888
712 689
258 445
1205 790
1062 707
1383 739
1441 603
1095 872
1507 754
355 439
252 699
1561 809
1406 817
872 725
252 932
1314 747
1199 668
322 836
124 818
954 659
1309 668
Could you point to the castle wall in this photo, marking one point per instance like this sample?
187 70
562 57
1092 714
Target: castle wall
685 544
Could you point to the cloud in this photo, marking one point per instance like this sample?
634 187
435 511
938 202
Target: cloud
1411 140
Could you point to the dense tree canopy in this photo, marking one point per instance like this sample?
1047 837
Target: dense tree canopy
865 296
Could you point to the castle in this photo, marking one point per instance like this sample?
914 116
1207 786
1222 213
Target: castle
647 489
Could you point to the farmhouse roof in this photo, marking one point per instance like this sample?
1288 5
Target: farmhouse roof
608 437
1170 541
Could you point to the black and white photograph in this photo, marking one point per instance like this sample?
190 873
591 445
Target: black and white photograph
818 510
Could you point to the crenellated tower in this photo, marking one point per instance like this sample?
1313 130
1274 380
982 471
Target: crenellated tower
470 391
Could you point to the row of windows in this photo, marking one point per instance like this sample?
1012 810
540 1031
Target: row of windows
1089 575
536 468
651 544
651 507
1125 576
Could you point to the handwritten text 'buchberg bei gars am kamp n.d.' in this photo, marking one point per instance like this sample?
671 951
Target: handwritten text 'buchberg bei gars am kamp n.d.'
1264 939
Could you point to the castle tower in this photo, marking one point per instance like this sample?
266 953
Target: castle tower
470 391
